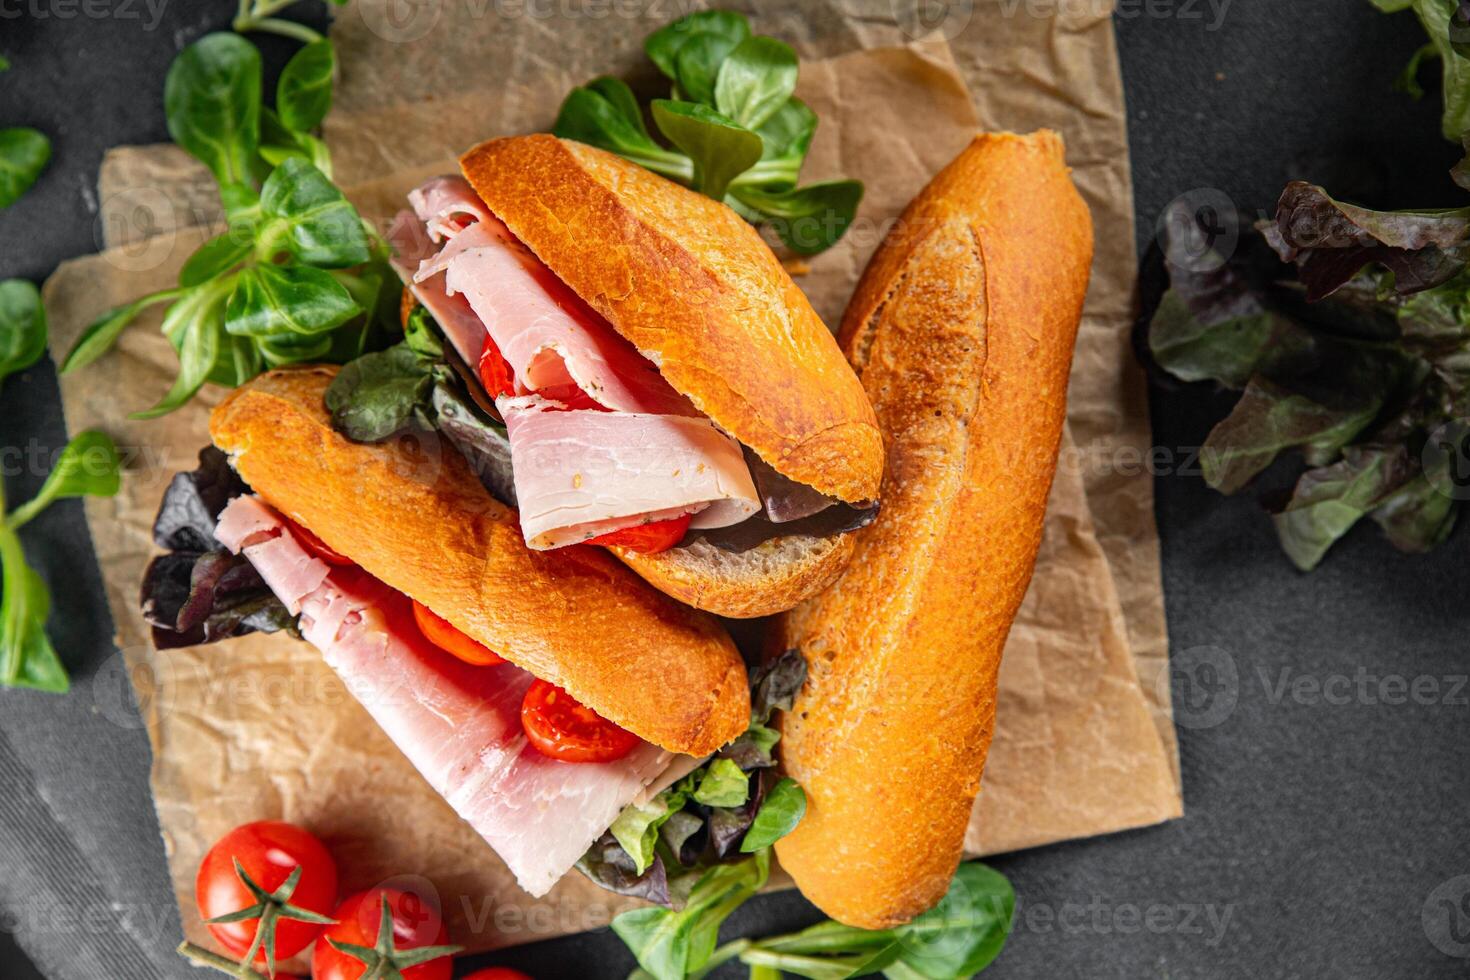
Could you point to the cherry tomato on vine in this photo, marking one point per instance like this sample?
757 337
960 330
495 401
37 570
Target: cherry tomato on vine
438 631
268 852
563 728
415 930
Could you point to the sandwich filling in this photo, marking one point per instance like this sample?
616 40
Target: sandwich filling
603 449
599 440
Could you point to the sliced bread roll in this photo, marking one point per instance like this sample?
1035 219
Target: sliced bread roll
412 513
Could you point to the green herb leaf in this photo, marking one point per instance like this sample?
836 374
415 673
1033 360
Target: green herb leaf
272 300
720 148
785 139
599 115
698 66
215 257
663 45
195 326
670 945
783 809
24 153
305 214
103 332
723 784
965 931
1268 420
809 219
304 92
22 327
27 658
1329 500
89 466
212 101
756 80
378 394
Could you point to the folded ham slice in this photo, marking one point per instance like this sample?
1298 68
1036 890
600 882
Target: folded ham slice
457 723
579 474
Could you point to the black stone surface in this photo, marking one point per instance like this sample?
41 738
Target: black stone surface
1326 825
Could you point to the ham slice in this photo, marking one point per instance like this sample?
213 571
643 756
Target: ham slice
582 473
457 723
453 314
649 456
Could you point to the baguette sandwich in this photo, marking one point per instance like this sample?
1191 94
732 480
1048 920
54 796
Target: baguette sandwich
666 390
962 330
539 692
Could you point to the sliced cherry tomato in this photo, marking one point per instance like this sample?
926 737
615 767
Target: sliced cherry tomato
561 727
650 538
267 851
438 631
318 547
495 372
416 924
496 973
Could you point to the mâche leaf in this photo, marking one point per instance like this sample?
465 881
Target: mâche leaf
304 213
755 80
739 134
211 99
87 466
271 300
809 219
22 326
720 148
783 809
24 153
304 91
664 44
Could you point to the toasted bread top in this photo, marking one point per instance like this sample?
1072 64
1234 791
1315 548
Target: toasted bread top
412 513
692 285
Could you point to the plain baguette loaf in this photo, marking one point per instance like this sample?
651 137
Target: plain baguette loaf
962 332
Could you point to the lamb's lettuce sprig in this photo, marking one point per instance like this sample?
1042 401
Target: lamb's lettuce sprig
296 275
737 131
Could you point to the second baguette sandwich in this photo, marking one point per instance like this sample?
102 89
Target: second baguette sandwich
962 332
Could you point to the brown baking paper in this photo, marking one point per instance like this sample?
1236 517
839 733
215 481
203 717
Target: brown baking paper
261 728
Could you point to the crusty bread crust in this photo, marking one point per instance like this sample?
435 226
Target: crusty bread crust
962 330
769 578
411 513
692 285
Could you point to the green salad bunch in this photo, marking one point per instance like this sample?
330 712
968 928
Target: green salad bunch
296 276
737 133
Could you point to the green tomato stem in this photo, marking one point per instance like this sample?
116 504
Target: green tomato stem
204 957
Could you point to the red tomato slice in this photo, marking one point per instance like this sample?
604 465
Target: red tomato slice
268 851
495 372
438 631
416 923
318 547
496 973
649 538
561 727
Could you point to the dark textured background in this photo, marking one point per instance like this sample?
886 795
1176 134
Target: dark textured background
1321 830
